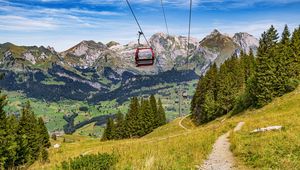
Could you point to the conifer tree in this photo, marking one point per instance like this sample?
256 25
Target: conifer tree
285 37
120 118
44 135
119 125
247 62
109 131
283 57
196 96
225 89
3 132
147 118
28 150
131 119
207 82
8 143
265 76
161 113
153 106
295 44
210 106
251 67
12 126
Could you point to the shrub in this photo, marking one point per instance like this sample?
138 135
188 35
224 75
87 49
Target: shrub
99 161
84 109
53 136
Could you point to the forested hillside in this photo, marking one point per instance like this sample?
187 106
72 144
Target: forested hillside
247 81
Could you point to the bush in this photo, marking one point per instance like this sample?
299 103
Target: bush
53 136
84 109
99 161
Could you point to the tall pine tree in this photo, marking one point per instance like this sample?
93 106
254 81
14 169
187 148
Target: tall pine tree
131 119
153 106
8 143
44 135
109 132
283 58
28 150
263 87
161 113
119 125
295 44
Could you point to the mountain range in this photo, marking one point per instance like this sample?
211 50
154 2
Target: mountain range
94 71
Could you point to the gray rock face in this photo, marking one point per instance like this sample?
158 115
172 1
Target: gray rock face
170 51
246 41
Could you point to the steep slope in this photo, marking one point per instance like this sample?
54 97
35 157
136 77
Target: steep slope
21 57
273 149
172 147
84 54
225 46
220 44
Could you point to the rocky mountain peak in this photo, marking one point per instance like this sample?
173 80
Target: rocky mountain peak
159 35
51 49
85 53
214 36
170 52
215 32
112 43
246 41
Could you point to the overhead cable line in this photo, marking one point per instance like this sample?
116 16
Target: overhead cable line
189 33
187 55
137 22
163 9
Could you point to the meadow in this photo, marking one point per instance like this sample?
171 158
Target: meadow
172 147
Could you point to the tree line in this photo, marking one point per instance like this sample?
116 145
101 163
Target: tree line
249 81
142 118
23 139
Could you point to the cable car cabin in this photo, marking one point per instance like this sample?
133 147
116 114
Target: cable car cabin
144 57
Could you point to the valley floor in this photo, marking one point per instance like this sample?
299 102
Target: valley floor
174 147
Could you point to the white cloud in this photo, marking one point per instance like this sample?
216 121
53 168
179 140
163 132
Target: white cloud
11 22
62 28
208 4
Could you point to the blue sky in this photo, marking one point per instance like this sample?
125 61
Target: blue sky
64 23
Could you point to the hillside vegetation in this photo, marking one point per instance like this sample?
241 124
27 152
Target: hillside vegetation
271 150
172 147
246 81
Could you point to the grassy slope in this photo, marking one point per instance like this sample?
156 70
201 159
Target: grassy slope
271 150
171 147
168 147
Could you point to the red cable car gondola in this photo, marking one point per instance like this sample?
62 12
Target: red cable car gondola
144 56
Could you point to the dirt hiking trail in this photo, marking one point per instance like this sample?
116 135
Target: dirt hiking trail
221 158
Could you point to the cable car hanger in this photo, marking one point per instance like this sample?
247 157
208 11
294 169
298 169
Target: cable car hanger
144 56
150 57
